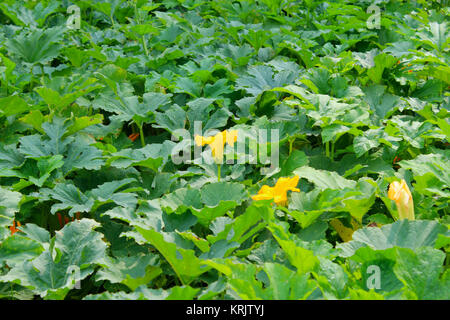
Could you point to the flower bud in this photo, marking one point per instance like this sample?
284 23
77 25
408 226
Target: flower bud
399 192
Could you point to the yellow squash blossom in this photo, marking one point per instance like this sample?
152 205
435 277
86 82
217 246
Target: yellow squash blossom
279 192
217 142
399 192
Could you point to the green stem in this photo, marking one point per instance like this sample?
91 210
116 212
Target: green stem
6 85
141 135
42 72
291 142
145 46
332 150
327 149
218 172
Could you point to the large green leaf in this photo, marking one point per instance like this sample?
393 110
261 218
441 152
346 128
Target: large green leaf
420 272
13 105
382 61
70 197
324 179
282 283
9 205
172 119
144 293
39 46
332 279
262 78
10 157
72 256
429 163
435 35
80 156
109 192
402 233
183 261
380 102
132 271
151 156
303 259
16 249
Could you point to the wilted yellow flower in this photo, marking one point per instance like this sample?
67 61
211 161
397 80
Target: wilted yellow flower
217 142
279 192
399 192
344 232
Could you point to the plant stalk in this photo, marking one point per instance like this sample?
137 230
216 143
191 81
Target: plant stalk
332 150
141 135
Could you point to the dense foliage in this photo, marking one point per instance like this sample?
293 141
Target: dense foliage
92 189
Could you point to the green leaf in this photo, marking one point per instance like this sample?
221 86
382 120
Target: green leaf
324 179
435 35
429 163
9 205
75 251
380 102
148 214
262 78
377 269
13 105
46 166
212 194
35 119
132 271
33 146
301 258
368 140
189 86
82 123
40 46
144 293
298 92
332 279
181 200
285 284
253 220
402 233
108 192
382 61
420 271
69 197
17 249
80 156
152 156
295 160
172 119
360 294
10 157
241 278
183 261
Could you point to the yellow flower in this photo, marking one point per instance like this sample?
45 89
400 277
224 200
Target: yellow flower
217 142
279 192
399 192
